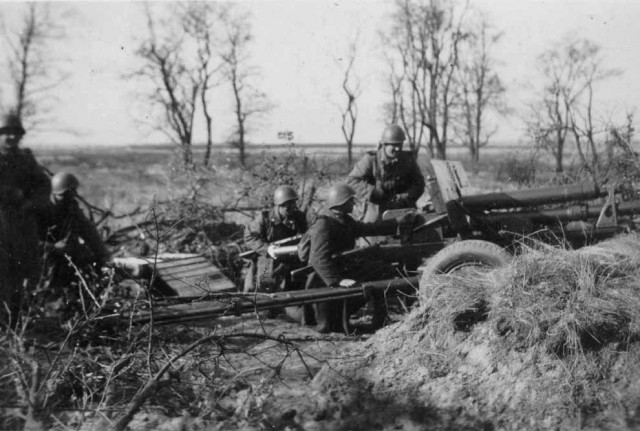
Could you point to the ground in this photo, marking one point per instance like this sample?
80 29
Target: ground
562 354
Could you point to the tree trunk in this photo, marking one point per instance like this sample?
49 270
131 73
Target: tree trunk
207 116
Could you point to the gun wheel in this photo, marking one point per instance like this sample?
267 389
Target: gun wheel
462 256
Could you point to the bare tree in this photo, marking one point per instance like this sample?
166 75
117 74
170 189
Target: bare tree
249 102
352 90
480 89
392 108
199 21
34 67
175 83
565 111
423 45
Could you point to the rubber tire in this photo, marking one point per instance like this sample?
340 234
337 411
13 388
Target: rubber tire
464 253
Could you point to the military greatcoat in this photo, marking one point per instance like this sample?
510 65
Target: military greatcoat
386 184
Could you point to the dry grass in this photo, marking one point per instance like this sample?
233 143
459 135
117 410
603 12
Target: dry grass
569 300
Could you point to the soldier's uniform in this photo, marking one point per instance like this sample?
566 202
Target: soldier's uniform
386 184
65 221
335 232
24 187
264 273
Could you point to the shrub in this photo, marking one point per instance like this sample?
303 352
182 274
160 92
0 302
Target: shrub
521 172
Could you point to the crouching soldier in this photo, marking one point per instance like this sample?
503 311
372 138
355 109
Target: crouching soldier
69 237
336 231
267 273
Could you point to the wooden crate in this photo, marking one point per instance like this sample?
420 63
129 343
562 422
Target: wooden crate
179 274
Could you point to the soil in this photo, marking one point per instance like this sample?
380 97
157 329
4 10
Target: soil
405 377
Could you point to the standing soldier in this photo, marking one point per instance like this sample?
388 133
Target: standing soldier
388 178
335 231
24 188
68 234
284 220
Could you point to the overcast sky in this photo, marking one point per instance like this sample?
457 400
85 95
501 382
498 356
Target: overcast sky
296 46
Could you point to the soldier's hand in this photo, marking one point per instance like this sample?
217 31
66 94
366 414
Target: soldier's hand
346 282
389 185
271 251
60 246
402 199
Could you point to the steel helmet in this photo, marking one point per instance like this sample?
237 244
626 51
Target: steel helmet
393 135
11 123
64 181
339 195
284 194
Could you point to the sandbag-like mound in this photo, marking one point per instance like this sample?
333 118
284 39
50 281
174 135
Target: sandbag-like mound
548 342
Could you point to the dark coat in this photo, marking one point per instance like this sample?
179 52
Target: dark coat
19 171
265 273
386 185
24 185
335 232
66 221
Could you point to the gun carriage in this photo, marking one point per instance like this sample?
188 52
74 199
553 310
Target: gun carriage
454 231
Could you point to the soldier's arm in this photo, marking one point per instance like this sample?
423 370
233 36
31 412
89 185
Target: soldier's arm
362 178
89 234
255 235
384 227
303 223
416 179
320 255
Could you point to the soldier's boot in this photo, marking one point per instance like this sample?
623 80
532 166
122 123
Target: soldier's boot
328 316
379 311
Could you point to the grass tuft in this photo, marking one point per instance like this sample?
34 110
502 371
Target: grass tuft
569 301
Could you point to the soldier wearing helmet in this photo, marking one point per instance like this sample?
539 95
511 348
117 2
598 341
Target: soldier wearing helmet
24 187
266 272
388 178
67 233
333 232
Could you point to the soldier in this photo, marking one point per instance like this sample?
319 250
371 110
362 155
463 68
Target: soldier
336 231
24 187
68 234
388 178
284 220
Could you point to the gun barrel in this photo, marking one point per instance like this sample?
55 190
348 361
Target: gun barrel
233 304
528 198
571 213
575 212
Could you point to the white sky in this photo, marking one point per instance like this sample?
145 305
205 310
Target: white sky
296 44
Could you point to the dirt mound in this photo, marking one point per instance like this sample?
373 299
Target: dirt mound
548 342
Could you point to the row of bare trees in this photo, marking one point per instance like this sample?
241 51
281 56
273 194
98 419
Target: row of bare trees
198 48
565 113
441 76
444 86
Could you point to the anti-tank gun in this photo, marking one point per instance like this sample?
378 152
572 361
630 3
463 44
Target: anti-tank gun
575 213
454 232
462 229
